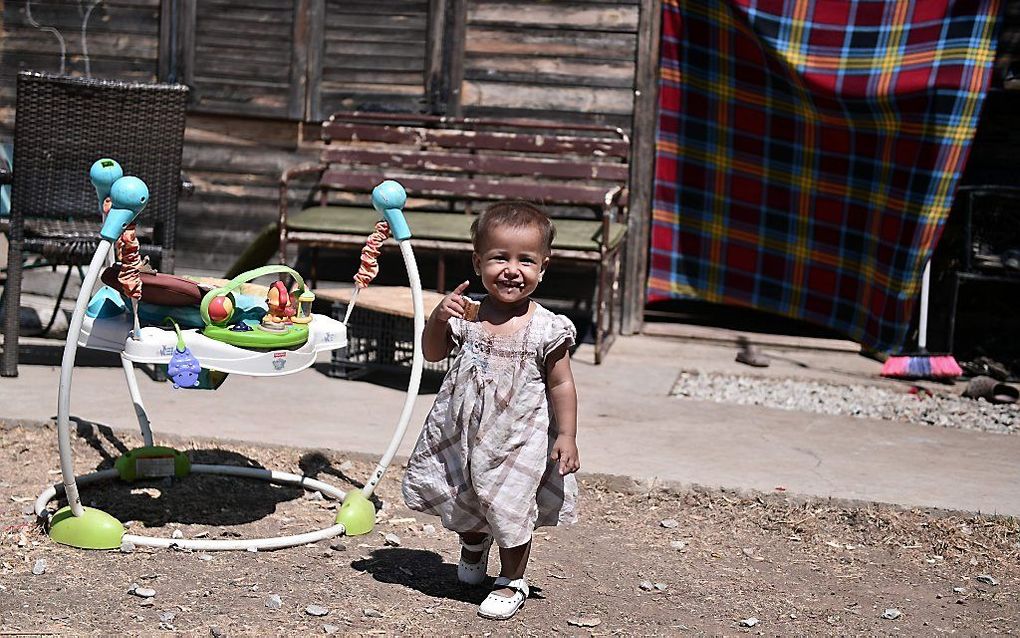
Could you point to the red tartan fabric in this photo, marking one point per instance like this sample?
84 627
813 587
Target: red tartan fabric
808 152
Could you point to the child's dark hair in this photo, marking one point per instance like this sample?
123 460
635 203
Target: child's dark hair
515 214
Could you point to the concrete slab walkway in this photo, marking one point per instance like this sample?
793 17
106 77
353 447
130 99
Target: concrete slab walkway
628 425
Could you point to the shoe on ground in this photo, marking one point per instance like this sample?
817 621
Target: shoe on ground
500 607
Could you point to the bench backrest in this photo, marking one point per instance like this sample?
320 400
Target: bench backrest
469 160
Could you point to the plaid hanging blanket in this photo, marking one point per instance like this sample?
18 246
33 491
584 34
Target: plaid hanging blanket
808 152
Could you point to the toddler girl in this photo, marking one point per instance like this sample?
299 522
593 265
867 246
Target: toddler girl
497 453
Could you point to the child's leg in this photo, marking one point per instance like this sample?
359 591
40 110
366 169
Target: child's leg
472 538
513 562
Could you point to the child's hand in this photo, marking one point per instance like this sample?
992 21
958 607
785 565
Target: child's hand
565 451
452 305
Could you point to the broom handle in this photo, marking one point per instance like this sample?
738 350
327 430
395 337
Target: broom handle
922 327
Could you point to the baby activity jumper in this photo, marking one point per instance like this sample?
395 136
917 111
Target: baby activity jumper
202 334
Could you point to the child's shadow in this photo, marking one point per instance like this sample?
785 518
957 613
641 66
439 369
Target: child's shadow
426 572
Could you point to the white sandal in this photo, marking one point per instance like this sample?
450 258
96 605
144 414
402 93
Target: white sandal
498 607
474 573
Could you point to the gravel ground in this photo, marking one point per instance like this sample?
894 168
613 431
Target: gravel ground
913 404
643 560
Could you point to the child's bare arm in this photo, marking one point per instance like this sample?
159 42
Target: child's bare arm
436 340
563 396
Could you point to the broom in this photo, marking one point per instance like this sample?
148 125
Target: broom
922 364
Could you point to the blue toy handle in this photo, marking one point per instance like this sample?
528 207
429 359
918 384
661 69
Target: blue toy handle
389 198
103 174
129 195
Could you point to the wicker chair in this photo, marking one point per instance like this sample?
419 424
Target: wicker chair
62 125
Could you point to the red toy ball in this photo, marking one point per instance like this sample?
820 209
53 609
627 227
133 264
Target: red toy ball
220 309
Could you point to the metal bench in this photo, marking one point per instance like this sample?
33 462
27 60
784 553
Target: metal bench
452 167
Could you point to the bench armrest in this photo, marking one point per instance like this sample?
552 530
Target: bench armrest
285 178
291 174
613 200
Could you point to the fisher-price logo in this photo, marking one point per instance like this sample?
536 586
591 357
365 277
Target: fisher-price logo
279 360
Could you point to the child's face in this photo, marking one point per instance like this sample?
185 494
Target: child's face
510 262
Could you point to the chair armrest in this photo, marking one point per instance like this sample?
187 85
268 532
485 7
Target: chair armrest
6 175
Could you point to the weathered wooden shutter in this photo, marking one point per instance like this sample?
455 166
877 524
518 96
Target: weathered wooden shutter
566 60
246 58
372 57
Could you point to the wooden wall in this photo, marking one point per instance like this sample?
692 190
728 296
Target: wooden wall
265 71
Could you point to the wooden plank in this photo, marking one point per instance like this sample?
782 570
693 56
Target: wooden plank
494 141
581 99
340 240
414 50
639 220
450 187
414 21
571 168
594 81
382 63
188 8
341 77
569 71
568 44
545 15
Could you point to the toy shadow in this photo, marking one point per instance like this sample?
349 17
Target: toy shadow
201 499
313 464
426 572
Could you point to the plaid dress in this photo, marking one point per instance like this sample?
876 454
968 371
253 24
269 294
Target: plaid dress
482 461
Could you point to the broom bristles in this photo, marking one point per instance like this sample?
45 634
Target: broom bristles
928 366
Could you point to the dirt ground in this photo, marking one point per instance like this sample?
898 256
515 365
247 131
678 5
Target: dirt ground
798 566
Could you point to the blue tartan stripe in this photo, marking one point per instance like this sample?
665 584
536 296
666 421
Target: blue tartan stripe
807 153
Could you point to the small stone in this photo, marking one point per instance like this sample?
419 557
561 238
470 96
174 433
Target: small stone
39 567
983 578
217 632
429 529
338 547
677 545
669 523
314 496
646 585
177 534
167 616
253 550
891 614
959 590
274 602
143 592
584 622
749 622
372 613
660 586
330 629
392 540
316 610
206 557
346 466
127 547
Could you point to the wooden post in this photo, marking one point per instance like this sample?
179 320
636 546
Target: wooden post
168 49
313 72
435 92
187 31
642 166
299 60
453 54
